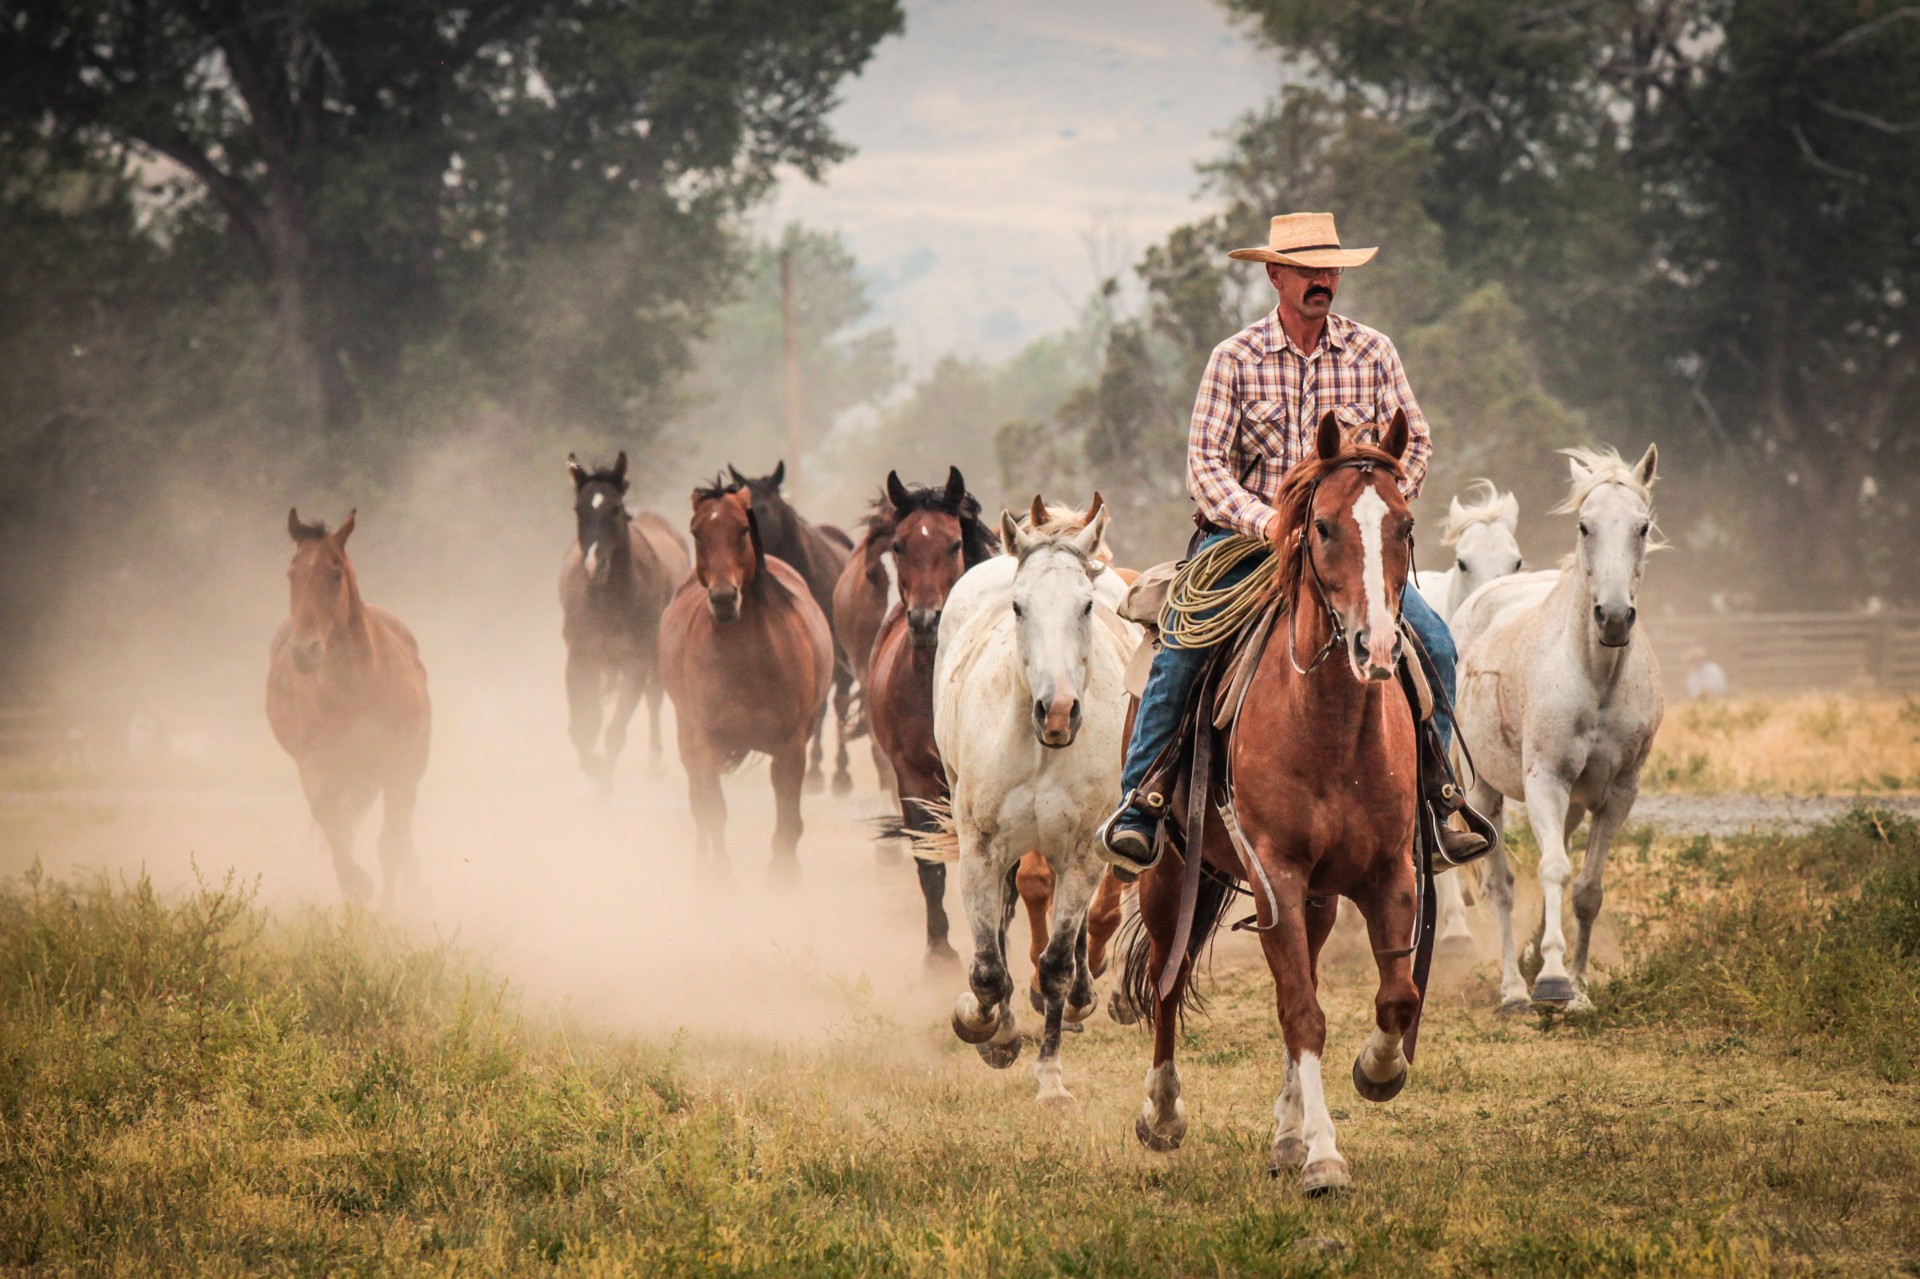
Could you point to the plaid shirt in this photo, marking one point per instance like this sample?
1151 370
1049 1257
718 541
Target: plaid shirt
1260 404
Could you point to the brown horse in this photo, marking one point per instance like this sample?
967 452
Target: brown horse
859 606
817 552
1323 764
347 698
615 582
748 661
934 535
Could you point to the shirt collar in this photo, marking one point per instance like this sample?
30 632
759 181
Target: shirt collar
1338 332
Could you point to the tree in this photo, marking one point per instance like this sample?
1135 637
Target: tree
1704 209
377 165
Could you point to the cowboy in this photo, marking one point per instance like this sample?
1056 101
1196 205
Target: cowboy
1261 399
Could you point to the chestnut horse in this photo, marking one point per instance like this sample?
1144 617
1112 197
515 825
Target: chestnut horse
934 535
817 552
860 601
615 582
1323 768
748 661
347 698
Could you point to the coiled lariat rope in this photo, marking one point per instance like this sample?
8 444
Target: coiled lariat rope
1201 613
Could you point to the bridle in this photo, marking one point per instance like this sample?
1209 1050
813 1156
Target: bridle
1337 630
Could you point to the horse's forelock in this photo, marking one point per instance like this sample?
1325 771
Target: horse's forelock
978 542
1599 467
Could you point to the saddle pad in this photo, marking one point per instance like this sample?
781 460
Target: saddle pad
1138 667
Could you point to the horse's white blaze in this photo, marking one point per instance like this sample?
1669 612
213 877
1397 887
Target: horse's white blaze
593 558
1369 510
598 500
1316 1125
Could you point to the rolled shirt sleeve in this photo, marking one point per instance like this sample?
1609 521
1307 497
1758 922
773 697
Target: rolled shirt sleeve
1396 393
1210 462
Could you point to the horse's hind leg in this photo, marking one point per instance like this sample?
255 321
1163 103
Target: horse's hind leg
1455 940
983 1016
1033 878
1587 891
399 865
1499 887
1162 1122
1064 984
1103 921
816 780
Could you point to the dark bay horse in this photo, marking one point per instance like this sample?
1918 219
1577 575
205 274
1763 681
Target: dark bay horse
934 535
818 552
347 698
615 582
1323 763
748 661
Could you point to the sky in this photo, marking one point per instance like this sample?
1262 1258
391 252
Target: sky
1011 155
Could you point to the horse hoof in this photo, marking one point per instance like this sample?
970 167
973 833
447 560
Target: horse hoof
1058 1100
1288 1153
1457 947
1001 1055
1325 1177
814 784
842 784
972 1031
1554 990
941 958
1121 1009
1371 1091
1071 1027
1074 1014
1158 1142
356 886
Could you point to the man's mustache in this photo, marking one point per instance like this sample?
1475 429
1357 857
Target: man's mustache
1320 289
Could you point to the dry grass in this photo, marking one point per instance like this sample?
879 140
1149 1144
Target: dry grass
193 1087
1814 744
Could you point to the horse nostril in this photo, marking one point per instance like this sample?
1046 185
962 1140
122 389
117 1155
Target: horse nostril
1039 711
1599 614
1632 613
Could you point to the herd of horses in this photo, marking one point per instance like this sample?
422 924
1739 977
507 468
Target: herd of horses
991 666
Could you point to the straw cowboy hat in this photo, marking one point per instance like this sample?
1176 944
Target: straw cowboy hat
1305 239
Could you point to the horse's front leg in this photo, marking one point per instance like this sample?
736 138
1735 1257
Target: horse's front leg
789 773
1289 1113
1162 1122
333 807
705 797
583 715
1065 987
400 867
1548 802
1033 879
816 781
1587 890
1380 1071
1290 957
630 685
917 791
842 702
983 1016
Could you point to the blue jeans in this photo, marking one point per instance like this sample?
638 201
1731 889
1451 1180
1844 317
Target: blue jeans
1175 669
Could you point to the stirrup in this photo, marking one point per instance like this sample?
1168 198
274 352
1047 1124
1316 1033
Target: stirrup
1127 867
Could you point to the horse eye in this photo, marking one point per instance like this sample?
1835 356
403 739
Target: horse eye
1518 565
1017 610
899 548
1461 565
1086 610
955 548
1644 528
1583 528
1321 527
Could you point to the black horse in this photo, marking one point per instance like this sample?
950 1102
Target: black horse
818 555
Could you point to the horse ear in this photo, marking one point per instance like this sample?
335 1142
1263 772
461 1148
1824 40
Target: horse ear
734 471
620 470
1037 515
1578 469
1454 511
1510 512
896 491
1399 435
956 487
345 531
1095 507
299 531
574 469
779 472
1012 536
1088 539
1648 464
1327 442
745 495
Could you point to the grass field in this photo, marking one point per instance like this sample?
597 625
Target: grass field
1811 744
195 1084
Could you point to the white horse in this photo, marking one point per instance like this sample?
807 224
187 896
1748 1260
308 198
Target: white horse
1029 706
1560 697
1484 548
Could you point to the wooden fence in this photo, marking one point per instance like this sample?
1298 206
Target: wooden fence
1788 652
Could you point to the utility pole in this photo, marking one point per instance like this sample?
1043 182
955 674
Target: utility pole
790 342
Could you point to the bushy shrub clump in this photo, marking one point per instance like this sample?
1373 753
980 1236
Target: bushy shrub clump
1811 939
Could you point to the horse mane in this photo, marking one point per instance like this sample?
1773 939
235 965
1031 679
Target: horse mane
1487 505
978 543
1291 504
1602 466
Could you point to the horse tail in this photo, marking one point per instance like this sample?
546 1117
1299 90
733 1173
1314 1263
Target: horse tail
1137 985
